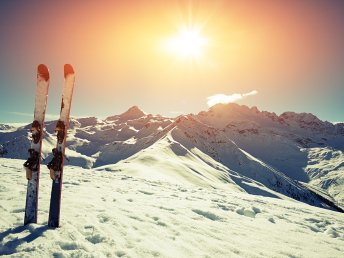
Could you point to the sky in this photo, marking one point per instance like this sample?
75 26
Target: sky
276 55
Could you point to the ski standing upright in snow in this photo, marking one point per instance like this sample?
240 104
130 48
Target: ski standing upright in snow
56 164
32 165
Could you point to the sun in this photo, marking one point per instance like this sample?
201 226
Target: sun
189 43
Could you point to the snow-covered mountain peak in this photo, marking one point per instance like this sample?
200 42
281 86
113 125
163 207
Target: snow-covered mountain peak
222 115
186 118
132 113
307 121
4 127
231 108
242 117
87 121
301 117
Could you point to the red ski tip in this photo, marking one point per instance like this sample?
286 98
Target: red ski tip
68 69
43 71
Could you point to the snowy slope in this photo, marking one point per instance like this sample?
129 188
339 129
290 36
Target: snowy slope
273 153
129 216
290 142
277 140
326 168
184 154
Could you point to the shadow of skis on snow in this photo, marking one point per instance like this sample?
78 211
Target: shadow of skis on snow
10 246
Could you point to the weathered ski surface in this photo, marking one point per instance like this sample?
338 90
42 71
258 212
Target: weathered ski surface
42 88
67 94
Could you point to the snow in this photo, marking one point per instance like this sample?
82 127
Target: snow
132 113
108 213
326 168
255 151
10 127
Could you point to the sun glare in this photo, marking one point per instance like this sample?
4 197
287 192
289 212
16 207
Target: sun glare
189 43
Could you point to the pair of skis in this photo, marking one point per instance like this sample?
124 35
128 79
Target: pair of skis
55 166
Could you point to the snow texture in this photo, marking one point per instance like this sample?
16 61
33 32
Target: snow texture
119 214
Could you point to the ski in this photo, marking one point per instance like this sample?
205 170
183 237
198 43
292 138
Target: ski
56 164
32 165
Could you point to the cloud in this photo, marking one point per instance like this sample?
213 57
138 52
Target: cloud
225 99
47 116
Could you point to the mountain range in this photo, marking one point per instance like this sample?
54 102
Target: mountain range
293 156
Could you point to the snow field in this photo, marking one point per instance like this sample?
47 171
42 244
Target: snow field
111 214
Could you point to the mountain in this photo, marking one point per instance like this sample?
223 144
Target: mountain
229 146
132 113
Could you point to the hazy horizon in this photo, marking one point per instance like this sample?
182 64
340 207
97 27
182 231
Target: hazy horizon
173 115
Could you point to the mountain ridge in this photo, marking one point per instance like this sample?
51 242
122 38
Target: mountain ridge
260 151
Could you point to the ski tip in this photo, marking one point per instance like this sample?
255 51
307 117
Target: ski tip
68 69
43 71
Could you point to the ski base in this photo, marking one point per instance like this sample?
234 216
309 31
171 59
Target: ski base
55 201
